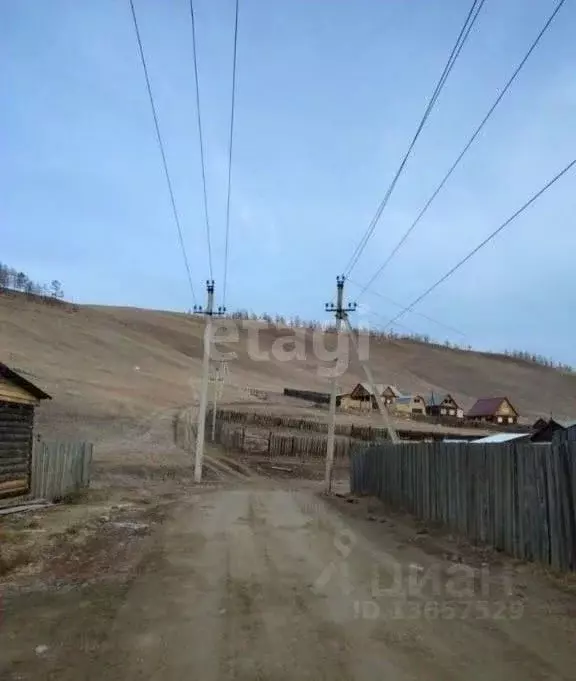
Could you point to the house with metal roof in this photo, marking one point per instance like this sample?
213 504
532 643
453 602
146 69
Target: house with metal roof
18 400
493 410
443 405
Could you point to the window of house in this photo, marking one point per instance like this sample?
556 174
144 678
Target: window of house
452 412
510 419
442 411
499 419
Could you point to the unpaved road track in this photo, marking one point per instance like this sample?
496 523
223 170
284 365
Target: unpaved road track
256 582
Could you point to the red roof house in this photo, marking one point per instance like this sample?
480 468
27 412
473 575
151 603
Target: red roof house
493 410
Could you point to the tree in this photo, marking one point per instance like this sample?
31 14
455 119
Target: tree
4 276
21 281
56 290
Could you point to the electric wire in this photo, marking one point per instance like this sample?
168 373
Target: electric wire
456 50
483 243
419 314
200 136
230 151
467 146
162 152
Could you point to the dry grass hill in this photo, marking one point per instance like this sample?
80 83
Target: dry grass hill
112 370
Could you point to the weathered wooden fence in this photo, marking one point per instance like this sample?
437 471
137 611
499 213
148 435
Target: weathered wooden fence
517 498
60 468
308 446
367 433
269 443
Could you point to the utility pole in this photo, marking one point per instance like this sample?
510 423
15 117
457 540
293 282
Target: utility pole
217 379
341 314
208 312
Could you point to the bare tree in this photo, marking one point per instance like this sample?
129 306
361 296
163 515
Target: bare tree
56 290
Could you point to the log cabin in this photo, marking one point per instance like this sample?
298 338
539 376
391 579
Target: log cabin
18 400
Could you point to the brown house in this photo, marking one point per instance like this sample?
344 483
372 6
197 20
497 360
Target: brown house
443 405
362 397
391 393
18 399
493 410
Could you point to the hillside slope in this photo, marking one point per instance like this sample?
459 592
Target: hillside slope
117 366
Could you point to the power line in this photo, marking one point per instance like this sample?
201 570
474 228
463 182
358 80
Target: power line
200 136
162 152
400 305
398 324
460 41
464 150
458 45
483 243
230 149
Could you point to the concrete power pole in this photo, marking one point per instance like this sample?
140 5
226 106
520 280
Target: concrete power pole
340 312
217 379
209 312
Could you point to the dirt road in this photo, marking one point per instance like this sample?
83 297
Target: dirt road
257 582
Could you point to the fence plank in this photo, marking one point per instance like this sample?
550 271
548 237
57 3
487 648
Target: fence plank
59 468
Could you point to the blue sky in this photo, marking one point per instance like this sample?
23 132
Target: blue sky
329 95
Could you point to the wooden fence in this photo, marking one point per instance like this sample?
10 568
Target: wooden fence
517 498
367 433
308 395
272 444
60 468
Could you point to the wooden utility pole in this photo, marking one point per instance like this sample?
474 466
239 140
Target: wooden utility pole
340 312
208 312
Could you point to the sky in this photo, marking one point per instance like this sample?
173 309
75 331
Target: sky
329 94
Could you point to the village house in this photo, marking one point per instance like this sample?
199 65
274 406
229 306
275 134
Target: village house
443 405
493 410
361 397
408 405
18 400
553 430
391 393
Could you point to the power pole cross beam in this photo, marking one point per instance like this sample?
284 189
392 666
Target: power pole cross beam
341 313
208 312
